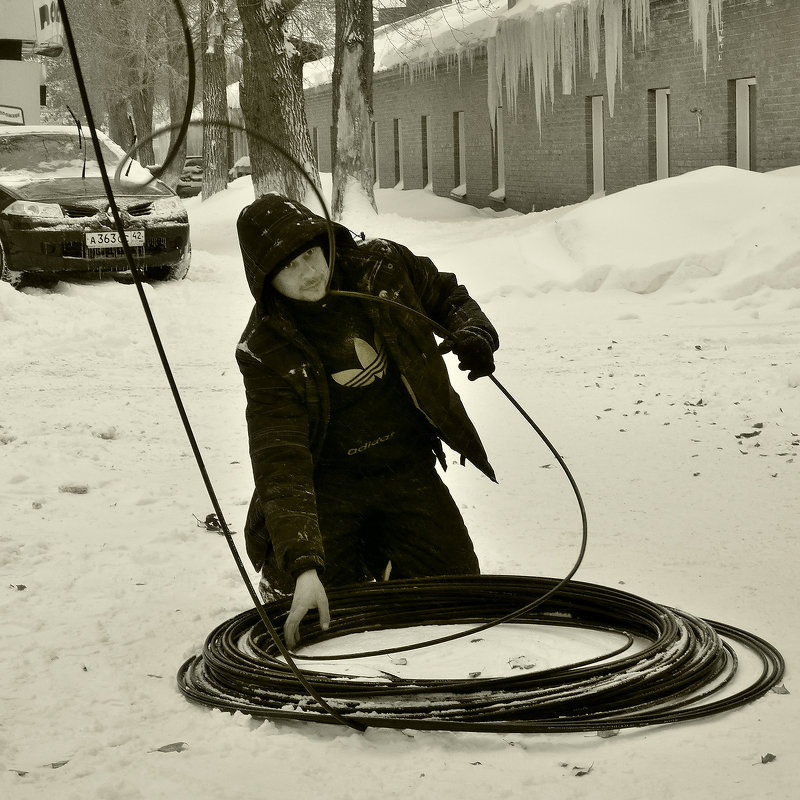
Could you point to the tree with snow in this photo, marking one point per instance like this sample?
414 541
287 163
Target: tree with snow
271 96
213 26
353 172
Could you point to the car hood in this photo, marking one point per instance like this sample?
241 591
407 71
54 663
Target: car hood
64 189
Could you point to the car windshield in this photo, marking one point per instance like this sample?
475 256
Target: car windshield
51 154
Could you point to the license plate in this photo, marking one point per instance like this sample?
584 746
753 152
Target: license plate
97 239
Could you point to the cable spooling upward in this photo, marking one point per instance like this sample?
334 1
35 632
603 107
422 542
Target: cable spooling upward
681 664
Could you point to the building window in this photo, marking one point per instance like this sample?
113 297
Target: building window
459 155
658 112
596 145
426 137
315 145
11 49
398 155
498 158
744 113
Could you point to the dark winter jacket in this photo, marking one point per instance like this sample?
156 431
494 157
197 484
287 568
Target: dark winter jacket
286 387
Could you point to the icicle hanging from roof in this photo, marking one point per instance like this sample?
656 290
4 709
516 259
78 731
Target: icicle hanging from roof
550 43
495 80
698 13
638 18
580 27
529 45
534 37
594 8
612 21
567 52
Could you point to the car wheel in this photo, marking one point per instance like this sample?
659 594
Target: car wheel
8 275
41 281
171 272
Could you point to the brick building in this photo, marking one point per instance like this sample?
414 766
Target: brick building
674 99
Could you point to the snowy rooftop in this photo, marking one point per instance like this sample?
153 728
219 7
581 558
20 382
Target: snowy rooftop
445 31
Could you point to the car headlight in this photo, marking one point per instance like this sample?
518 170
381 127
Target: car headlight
168 205
27 208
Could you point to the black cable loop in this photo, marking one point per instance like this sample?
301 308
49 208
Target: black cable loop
681 663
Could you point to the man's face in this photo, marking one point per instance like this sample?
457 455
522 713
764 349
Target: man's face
304 277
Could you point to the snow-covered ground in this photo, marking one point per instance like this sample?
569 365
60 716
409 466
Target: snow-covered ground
653 335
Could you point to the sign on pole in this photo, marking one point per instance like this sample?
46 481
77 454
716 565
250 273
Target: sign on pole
49 30
11 115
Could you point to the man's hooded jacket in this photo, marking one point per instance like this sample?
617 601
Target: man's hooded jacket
288 403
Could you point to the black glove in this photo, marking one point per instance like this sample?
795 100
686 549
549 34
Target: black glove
474 349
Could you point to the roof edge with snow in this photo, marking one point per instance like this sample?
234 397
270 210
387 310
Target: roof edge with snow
523 44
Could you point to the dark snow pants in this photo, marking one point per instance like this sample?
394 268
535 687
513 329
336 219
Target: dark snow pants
402 519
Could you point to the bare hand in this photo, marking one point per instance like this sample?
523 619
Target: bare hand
308 593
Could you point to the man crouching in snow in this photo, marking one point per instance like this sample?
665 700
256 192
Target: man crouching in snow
348 401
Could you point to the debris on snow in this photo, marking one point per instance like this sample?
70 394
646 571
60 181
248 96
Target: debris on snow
109 432
520 662
73 488
173 747
747 434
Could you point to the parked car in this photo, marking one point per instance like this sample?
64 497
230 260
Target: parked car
241 167
191 181
55 218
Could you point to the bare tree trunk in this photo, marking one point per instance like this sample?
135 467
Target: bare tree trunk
272 100
215 97
142 109
120 125
353 172
177 85
142 96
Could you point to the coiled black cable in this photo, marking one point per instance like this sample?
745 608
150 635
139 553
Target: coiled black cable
680 665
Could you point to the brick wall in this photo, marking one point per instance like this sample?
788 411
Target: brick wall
320 121
437 99
550 164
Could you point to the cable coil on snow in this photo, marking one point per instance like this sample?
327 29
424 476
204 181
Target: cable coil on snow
680 664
